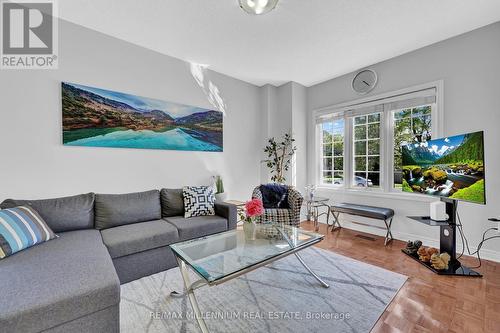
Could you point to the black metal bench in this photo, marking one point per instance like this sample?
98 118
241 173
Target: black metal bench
378 213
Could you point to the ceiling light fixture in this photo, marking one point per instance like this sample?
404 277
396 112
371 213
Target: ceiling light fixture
258 7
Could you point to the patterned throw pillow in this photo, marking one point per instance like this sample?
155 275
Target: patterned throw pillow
198 201
20 228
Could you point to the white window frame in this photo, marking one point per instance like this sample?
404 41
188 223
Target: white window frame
382 135
345 111
320 143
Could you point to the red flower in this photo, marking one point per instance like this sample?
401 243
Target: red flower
254 208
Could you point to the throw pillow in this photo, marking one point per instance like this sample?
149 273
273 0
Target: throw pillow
275 196
198 201
172 202
20 228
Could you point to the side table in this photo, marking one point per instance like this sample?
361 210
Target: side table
313 206
240 206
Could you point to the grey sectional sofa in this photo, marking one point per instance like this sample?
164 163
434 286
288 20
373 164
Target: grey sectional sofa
72 283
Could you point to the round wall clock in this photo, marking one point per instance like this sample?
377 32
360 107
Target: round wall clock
364 81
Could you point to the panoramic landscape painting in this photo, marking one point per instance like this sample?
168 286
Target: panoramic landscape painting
96 117
451 167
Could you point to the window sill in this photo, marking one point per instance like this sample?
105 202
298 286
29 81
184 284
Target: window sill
378 194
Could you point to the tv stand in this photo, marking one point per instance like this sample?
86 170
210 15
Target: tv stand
447 242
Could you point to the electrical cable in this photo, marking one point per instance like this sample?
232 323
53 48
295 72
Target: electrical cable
466 242
463 242
460 228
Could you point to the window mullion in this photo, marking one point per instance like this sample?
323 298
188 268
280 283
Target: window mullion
386 155
348 152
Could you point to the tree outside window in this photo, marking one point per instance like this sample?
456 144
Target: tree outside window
332 152
366 150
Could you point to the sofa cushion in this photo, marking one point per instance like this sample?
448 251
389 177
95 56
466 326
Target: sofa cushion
20 228
56 282
172 202
198 201
112 210
138 237
61 214
198 226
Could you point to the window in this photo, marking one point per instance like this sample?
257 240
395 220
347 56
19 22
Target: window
366 150
410 125
359 144
333 152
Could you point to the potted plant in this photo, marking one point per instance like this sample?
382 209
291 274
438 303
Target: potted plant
253 209
279 157
220 195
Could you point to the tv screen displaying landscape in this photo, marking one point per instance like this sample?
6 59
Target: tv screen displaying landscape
451 167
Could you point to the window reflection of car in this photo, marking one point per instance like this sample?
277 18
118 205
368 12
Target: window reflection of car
358 181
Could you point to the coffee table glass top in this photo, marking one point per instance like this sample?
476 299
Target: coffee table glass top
218 256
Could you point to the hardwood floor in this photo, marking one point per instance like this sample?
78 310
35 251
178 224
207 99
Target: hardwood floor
427 302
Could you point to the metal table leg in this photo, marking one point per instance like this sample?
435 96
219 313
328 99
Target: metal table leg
336 224
189 291
309 211
317 214
388 235
316 218
323 283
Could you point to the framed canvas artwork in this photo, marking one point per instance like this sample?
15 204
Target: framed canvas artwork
95 117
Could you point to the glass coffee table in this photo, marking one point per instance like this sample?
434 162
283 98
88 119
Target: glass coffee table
221 257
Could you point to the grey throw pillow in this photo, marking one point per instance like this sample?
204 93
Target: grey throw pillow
61 214
112 210
172 202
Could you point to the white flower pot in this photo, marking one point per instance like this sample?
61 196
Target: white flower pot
221 197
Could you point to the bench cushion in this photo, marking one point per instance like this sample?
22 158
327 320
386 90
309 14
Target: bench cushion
61 214
133 238
379 213
198 226
112 210
55 282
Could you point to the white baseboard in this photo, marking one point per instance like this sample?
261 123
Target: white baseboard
403 236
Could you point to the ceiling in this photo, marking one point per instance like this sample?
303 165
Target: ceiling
306 41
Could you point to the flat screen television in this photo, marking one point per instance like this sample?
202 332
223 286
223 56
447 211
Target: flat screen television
451 167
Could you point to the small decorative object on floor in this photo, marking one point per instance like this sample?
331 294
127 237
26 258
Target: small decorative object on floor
425 253
440 261
253 208
412 247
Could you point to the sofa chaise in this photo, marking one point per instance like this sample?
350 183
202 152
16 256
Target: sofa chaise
72 283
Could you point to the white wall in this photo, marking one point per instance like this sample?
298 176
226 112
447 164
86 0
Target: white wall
284 110
469 65
299 130
35 164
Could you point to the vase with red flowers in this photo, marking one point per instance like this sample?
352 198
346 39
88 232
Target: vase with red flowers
253 209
